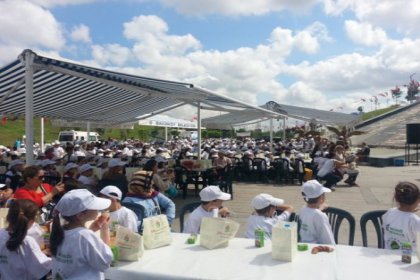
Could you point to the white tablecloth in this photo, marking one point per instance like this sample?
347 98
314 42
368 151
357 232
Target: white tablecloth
241 260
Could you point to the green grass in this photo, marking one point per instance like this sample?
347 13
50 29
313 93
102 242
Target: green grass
13 130
375 113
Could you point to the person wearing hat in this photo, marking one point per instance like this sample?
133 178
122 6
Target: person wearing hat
14 174
77 252
49 168
71 171
211 206
141 191
58 150
265 216
315 227
34 188
87 178
114 175
117 213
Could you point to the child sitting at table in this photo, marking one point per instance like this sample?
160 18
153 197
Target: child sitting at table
211 206
265 216
20 255
78 253
118 213
401 224
315 227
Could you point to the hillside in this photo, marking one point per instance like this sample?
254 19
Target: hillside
388 130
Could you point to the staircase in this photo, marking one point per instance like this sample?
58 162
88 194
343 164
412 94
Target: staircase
388 130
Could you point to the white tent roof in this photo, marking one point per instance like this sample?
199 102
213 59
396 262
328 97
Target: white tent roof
74 92
233 119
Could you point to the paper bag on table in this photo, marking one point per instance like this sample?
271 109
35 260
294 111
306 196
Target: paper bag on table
130 244
156 232
216 232
3 215
284 241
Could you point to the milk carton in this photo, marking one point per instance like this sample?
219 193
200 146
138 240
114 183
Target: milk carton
284 241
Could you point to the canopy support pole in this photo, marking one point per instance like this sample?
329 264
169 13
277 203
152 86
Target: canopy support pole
271 135
166 134
284 129
42 135
199 129
29 109
88 131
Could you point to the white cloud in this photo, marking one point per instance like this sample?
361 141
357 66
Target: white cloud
237 7
365 34
81 33
25 25
243 73
400 15
112 54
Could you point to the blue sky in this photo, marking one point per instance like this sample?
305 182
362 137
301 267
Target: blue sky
325 54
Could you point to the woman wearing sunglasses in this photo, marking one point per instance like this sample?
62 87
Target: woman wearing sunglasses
35 189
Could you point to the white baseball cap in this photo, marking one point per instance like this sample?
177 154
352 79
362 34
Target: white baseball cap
85 167
3 186
116 162
211 193
264 200
46 162
112 191
76 201
15 162
69 166
313 189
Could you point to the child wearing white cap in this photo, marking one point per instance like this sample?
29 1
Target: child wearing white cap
211 206
78 253
315 227
118 213
265 217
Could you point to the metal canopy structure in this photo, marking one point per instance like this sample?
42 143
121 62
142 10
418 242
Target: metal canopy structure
35 85
227 121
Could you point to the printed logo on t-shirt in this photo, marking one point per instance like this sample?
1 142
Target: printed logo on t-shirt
3 259
64 258
394 242
304 227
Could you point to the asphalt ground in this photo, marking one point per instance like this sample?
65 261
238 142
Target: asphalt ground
375 192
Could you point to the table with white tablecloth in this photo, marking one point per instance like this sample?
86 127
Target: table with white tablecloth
242 260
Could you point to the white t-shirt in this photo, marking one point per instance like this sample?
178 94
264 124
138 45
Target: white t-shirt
13 265
193 223
400 227
265 223
82 255
315 227
126 218
327 168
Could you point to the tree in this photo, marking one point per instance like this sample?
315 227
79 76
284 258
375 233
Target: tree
396 93
344 131
412 89
360 110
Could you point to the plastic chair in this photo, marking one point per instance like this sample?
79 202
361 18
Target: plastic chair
138 210
335 217
188 208
376 218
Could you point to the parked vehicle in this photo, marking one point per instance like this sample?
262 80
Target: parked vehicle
76 137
